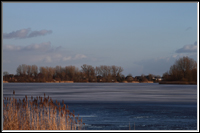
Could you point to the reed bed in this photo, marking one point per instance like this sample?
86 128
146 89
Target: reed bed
39 113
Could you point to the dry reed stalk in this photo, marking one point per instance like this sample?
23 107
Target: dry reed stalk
27 115
38 114
32 117
53 119
16 119
37 119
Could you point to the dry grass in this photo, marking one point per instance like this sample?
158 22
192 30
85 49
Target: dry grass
39 113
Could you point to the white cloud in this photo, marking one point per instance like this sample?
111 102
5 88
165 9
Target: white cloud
76 57
39 33
34 47
17 34
11 48
79 56
47 59
188 48
67 58
41 46
25 33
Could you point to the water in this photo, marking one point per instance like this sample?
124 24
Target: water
113 106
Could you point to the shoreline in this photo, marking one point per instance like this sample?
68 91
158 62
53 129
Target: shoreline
79 82
178 82
162 82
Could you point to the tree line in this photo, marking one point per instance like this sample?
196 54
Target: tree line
88 73
184 69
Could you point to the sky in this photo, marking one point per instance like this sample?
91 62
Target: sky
142 38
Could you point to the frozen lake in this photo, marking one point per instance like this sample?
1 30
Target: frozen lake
112 106
105 92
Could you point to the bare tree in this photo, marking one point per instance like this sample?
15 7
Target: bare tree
119 71
62 73
114 72
19 70
89 72
51 72
24 69
104 73
98 71
44 72
58 71
5 73
120 77
34 70
183 69
185 65
29 70
150 77
166 76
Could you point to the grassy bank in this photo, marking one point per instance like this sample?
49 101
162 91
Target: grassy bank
39 113
178 82
81 82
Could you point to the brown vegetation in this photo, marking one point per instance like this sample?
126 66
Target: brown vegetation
184 69
68 74
39 113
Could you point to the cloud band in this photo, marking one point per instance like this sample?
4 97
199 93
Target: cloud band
25 33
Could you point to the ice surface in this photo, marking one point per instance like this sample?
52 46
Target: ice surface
105 92
110 106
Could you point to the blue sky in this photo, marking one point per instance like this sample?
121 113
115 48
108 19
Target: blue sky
142 38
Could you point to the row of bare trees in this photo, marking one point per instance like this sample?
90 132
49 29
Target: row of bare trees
27 70
184 69
88 73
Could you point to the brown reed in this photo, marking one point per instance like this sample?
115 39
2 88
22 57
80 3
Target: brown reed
38 114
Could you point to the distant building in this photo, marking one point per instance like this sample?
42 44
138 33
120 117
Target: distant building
157 78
